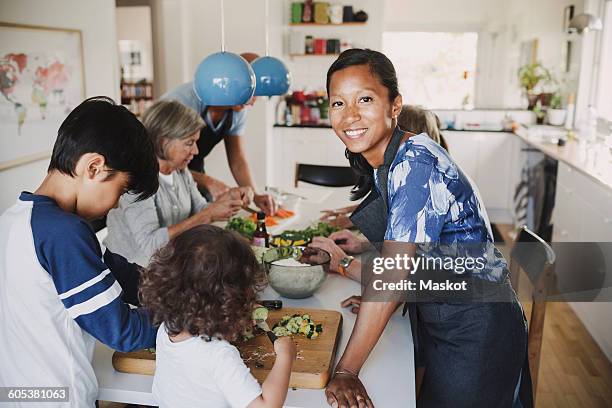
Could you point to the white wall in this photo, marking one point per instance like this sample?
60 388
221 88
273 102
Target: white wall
435 15
134 23
541 20
96 20
502 26
189 30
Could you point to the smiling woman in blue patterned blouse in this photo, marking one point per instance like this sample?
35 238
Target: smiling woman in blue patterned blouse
475 353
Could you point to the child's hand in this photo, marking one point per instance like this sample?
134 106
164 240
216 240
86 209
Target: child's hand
284 346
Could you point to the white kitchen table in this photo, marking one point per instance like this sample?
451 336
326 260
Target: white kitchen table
388 374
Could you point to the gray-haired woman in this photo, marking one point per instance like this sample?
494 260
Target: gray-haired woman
136 229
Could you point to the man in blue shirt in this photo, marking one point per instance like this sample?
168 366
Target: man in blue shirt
222 123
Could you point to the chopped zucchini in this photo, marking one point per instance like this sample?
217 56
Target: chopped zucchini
297 324
259 313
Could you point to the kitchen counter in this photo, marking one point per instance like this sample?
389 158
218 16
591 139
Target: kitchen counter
593 160
388 374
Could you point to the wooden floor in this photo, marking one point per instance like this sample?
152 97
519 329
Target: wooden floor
574 372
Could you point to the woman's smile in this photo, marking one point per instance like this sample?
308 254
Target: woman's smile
355 133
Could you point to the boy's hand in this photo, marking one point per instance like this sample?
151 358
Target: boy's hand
284 346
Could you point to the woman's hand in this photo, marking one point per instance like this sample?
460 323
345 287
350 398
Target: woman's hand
354 302
349 242
266 203
334 250
345 390
220 210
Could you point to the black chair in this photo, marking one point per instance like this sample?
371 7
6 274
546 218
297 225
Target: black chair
532 255
328 176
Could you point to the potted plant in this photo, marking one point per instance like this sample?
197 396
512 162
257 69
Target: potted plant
530 76
556 113
540 114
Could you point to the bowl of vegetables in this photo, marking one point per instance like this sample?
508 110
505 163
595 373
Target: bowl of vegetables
296 272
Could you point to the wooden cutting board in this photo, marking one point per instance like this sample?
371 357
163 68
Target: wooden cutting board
311 369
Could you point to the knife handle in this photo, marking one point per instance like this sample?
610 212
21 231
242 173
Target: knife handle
272 304
271 336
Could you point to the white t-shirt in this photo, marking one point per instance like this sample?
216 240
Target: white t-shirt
199 373
168 178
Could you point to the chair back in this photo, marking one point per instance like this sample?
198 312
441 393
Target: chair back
328 176
533 256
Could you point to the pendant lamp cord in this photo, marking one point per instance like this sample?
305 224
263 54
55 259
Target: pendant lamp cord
222 27
267 28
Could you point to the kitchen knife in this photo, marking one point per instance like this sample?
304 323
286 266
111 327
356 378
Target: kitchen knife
264 326
251 210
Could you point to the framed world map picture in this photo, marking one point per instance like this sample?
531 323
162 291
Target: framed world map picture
41 80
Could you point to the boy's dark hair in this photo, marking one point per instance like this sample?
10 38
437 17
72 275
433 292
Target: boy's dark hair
98 125
204 281
382 69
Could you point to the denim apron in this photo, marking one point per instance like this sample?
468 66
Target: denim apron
209 138
474 353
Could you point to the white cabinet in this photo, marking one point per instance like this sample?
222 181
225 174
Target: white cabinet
464 147
583 213
583 208
490 159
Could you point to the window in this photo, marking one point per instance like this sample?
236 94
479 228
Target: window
435 70
604 86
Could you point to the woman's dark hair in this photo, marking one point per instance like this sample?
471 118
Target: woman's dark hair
204 281
382 68
98 125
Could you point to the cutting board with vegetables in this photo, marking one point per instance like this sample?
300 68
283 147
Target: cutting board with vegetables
311 369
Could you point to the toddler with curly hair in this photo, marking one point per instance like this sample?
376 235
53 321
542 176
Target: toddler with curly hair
201 288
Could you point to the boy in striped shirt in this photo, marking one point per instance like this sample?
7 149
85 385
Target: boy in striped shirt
57 294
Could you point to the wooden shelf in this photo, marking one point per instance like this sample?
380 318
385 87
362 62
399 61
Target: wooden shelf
313 55
353 23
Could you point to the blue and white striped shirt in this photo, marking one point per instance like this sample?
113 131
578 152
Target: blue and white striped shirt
56 296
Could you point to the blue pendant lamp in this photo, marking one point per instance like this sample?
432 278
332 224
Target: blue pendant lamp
224 78
271 73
